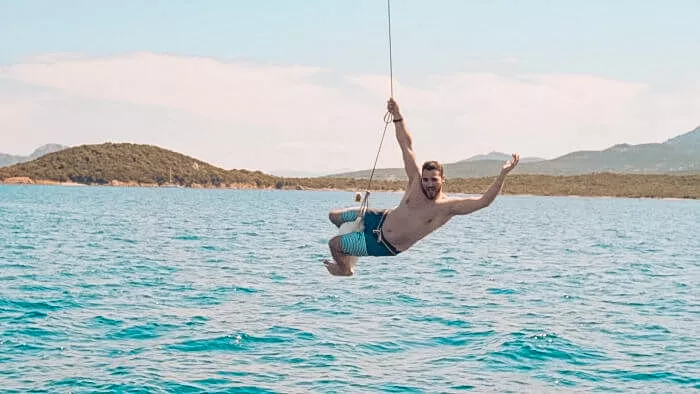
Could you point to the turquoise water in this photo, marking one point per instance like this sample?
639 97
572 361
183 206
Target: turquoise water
180 290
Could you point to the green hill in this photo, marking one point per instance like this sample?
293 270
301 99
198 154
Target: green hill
143 164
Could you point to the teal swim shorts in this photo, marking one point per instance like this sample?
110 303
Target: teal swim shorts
367 242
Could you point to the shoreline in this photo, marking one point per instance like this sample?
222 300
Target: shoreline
26 181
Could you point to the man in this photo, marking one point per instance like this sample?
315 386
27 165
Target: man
422 210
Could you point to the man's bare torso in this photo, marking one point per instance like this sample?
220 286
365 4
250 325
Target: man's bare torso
415 217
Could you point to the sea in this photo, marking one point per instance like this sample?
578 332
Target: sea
154 290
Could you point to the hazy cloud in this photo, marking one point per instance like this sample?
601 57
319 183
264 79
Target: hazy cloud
239 115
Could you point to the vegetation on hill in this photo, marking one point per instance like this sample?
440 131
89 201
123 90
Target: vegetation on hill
150 165
598 184
143 164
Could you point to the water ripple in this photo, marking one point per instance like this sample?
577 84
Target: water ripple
158 290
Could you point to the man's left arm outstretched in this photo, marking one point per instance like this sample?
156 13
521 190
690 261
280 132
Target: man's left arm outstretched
464 206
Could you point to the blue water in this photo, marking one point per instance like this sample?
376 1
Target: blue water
182 290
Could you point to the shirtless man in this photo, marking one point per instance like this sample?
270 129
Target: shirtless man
422 210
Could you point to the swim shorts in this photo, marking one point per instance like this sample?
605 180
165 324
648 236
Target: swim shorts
367 242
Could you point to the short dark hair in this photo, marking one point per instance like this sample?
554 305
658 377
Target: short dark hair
433 165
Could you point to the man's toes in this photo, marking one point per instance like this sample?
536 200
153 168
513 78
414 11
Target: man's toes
331 267
336 269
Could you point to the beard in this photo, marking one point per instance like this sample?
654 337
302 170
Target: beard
431 192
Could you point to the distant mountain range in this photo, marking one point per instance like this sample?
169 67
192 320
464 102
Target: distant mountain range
678 155
7 160
500 157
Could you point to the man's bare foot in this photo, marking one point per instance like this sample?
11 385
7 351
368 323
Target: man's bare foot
336 269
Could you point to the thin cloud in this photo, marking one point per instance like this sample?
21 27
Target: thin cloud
241 115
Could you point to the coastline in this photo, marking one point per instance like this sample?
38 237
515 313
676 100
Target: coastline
26 181
604 192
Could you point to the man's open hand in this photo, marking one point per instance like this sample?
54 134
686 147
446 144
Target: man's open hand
510 164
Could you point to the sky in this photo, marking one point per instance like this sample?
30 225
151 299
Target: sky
300 87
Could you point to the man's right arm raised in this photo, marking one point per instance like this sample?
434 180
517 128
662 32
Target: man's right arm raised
405 142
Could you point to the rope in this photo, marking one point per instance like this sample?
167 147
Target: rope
391 65
387 117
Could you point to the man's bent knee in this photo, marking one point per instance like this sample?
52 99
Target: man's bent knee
335 244
333 217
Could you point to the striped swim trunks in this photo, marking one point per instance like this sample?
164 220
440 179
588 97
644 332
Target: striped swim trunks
369 242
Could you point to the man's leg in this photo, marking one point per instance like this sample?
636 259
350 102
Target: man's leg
340 216
343 264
